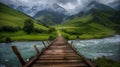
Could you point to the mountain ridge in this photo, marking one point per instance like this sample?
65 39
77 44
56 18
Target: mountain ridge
95 23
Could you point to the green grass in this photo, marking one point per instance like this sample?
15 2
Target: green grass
22 36
85 28
13 18
78 27
66 35
31 37
103 62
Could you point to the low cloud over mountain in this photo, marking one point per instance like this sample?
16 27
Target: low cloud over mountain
72 6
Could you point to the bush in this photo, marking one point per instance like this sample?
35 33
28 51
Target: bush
77 36
39 30
9 29
66 37
51 29
28 26
52 36
8 40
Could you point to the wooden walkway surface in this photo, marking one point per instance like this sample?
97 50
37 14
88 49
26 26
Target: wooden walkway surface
59 54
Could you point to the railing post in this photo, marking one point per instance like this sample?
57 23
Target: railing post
36 49
44 44
14 48
48 42
71 42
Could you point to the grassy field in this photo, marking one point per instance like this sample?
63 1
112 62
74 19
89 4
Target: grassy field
22 36
84 28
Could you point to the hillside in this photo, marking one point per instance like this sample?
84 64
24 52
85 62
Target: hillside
96 22
12 22
13 18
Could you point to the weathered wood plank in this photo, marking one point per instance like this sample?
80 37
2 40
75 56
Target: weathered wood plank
14 48
36 49
59 54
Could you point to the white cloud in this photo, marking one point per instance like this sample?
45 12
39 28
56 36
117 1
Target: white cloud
72 6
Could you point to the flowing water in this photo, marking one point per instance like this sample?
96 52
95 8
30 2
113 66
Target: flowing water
9 59
91 49
95 48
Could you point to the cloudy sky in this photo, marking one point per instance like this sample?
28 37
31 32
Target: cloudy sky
72 6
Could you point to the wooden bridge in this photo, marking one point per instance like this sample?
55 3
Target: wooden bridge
58 54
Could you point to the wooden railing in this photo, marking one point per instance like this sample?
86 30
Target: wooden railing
39 53
90 63
30 62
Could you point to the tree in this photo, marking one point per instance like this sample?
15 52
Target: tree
51 29
28 26
8 40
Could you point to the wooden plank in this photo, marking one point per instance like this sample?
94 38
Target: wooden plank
64 51
29 63
58 61
14 48
36 49
60 54
56 58
61 65
85 59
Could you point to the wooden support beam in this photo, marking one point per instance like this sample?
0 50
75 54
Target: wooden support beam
71 42
36 49
14 48
73 45
48 42
29 63
44 44
86 60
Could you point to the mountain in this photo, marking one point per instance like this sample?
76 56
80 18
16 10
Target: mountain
52 16
95 21
115 4
49 17
100 11
15 19
47 14
88 9
33 10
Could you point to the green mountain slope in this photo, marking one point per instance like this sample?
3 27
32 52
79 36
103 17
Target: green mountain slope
11 26
99 21
89 26
50 17
86 27
13 18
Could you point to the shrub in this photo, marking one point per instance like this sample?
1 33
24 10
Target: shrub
39 30
9 29
8 40
28 26
51 29
66 36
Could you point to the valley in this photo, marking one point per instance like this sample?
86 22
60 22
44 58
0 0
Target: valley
95 22
90 27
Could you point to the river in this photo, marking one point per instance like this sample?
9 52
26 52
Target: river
92 49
